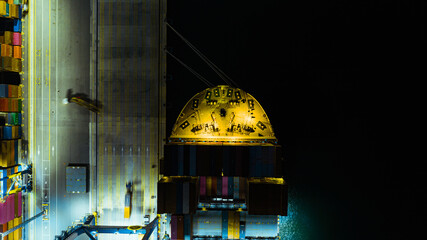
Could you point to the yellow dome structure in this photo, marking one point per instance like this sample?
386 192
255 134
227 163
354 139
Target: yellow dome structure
223 114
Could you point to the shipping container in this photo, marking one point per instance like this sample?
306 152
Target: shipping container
16 65
3 7
9 152
17 234
9 77
6 50
3 228
193 162
202 186
10 226
174 227
4 90
225 187
185 197
207 223
17 52
177 227
3 212
188 227
17 25
275 204
11 132
260 226
8 37
16 39
19 204
208 186
10 105
205 160
177 195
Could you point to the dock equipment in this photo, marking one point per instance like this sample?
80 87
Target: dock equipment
22 178
85 226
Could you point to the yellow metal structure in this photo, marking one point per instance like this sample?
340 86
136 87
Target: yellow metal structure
92 107
127 212
223 114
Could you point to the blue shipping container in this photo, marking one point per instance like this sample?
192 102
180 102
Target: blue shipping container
17 25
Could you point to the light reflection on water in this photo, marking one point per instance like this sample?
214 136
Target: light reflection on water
297 225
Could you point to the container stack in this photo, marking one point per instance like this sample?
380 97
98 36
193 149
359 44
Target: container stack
10 114
11 216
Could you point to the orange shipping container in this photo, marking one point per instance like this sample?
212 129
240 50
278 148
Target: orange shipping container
6 50
17 52
3 228
13 91
13 105
3 104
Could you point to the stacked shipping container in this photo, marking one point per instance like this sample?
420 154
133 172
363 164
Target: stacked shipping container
233 225
228 160
222 188
178 194
181 227
10 113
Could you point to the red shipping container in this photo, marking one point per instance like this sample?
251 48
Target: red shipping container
4 102
17 39
10 207
19 195
174 228
224 187
3 213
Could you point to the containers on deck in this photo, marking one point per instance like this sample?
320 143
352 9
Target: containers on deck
177 195
208 160
10 113
222 188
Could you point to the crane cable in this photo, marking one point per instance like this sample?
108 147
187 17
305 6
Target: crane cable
215 68
204 80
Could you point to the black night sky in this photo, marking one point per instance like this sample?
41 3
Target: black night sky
331 76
